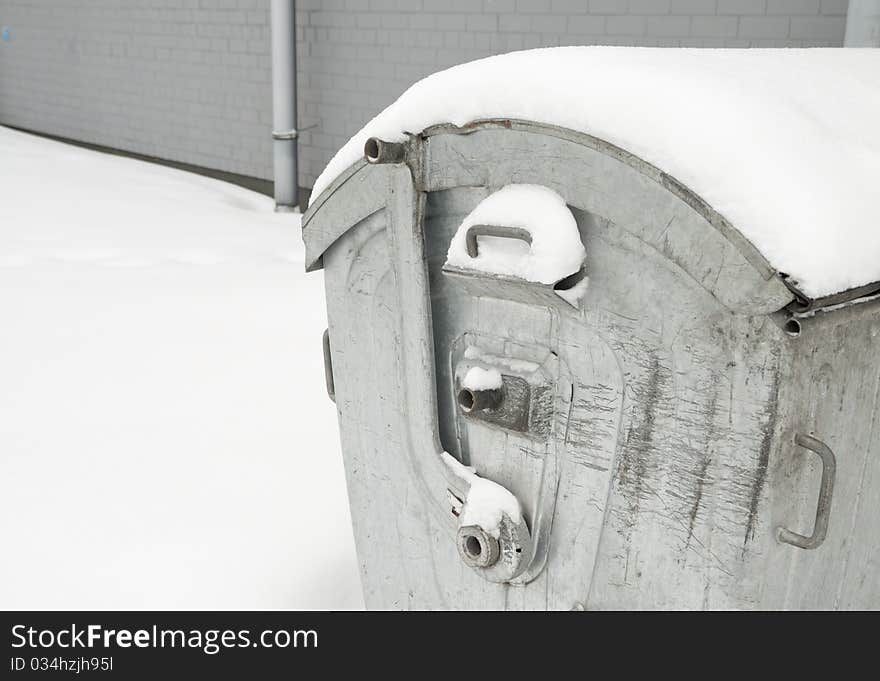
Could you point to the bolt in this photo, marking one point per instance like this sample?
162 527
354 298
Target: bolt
477 547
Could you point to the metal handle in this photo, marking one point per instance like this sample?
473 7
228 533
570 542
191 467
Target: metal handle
328 366
823 508
493 230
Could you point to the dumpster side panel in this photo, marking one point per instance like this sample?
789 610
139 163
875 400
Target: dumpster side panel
668 460
684 524
366 421
832 393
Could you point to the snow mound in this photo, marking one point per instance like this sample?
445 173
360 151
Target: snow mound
556 250
160 360
784 143
487 502
478 378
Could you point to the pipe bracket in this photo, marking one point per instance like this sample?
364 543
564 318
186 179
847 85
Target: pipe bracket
285 134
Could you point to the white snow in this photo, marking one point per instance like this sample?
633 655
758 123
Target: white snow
486 501
556 250
784 143
478 378
165 436
520 365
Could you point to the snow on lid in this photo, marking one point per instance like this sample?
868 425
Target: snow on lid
478 378
555 252
486 501
784 143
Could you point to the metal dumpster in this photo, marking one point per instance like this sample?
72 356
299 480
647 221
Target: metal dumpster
692 432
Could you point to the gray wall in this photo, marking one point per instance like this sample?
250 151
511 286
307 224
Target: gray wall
179 79
189 80
362 54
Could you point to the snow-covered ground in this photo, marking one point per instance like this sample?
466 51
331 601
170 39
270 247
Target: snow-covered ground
165 436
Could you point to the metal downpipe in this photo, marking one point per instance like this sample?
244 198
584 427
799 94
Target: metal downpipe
284 132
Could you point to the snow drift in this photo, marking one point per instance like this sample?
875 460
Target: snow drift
164 437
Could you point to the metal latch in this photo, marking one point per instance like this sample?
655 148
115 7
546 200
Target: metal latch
521 401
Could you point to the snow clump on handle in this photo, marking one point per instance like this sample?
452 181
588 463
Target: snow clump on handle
478 378
556 250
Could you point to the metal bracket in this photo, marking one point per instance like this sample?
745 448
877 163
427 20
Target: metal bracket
823 507
285 135
328 366
291 134
406 209
522 404
496 560
804 305
507 286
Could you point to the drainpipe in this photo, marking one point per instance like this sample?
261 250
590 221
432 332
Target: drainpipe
862 24
284 131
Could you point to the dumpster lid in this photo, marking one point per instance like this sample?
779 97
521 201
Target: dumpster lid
785 144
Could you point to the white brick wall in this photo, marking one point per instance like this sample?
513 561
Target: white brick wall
189 80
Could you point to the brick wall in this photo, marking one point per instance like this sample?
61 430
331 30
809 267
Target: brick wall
184 80
189 80
363 53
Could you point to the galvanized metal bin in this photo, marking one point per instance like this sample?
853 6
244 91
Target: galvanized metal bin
699 435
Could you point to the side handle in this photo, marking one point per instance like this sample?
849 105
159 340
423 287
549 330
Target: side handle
328 366
826 490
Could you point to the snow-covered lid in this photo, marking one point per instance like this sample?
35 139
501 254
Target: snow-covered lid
783 143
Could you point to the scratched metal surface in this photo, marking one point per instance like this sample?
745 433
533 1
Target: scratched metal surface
670 459
832 390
